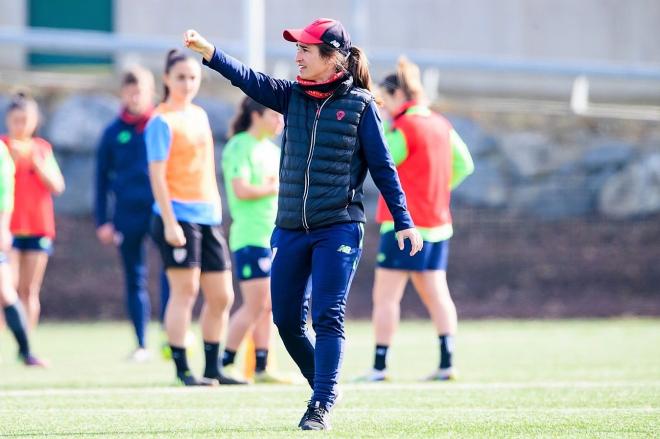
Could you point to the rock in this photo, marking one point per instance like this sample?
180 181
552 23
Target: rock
533 154
220 116
557 197
78 172
634 191
4 103
486 187
607 155
78 122
477 140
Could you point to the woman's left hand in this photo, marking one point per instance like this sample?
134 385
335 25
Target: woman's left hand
415 239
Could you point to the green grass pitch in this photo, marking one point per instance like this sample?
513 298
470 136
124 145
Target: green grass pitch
592 379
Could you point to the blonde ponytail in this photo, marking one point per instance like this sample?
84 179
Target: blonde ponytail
410 79
407 78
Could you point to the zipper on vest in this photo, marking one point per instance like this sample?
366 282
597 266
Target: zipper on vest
309 161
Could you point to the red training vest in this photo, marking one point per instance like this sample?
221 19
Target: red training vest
426 173
33 203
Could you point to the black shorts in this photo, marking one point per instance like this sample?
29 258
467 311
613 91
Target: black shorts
205 247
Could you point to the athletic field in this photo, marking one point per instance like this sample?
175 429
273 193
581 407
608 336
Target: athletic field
518 379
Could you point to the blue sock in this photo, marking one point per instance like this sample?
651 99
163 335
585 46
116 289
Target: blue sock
15 318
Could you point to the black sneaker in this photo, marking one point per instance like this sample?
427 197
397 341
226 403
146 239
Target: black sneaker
228 380
315 418
187 379
304 416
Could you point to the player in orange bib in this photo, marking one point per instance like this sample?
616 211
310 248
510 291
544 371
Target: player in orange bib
33 221
187 218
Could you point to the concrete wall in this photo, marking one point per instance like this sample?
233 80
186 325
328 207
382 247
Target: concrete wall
606 30
12 17
580 32
598 30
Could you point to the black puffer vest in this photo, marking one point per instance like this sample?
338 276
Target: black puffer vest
322 168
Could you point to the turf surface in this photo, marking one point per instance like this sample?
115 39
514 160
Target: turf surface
596 378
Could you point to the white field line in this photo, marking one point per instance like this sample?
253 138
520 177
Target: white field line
91 391
427 410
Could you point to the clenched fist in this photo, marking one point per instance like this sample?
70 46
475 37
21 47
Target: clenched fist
194 41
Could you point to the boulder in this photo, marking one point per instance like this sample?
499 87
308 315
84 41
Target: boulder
77 123
608 154
557 197
533 154
477 140
634 191
486 187
4 103
78 171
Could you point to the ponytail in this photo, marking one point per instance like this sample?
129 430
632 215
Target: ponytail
358 67
355 63
173 56
407 78
243 119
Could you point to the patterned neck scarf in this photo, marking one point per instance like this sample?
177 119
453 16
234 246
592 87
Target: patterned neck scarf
322 90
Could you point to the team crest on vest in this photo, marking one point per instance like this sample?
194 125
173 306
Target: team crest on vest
340 114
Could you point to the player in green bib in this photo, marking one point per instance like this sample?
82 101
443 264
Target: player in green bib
250 165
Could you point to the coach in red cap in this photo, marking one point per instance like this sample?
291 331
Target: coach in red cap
332 137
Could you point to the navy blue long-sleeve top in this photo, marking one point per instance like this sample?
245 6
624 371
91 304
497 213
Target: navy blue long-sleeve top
122 173
276 93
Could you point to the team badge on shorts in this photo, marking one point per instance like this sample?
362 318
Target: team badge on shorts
179 255
264 264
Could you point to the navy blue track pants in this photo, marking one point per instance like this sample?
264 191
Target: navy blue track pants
329 257
132 250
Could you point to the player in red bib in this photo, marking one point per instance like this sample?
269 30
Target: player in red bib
431 160
38 178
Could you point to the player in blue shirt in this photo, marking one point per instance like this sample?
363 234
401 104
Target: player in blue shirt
122 176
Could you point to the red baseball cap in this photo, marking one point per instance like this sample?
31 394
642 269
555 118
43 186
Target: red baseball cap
321 30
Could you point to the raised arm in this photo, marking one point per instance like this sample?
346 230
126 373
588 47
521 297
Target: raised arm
383 172
268 91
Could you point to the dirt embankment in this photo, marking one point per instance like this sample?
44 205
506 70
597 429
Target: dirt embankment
499 266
